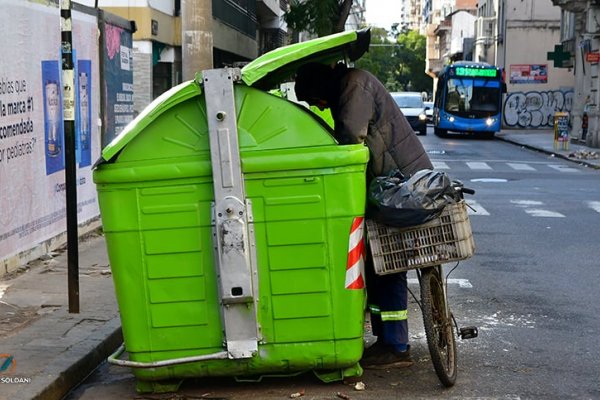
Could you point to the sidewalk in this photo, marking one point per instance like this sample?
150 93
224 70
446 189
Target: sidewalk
53 350
543 140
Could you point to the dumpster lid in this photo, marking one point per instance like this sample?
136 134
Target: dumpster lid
165 101
274 67
264 73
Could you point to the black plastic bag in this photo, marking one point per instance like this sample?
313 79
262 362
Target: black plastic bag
397 201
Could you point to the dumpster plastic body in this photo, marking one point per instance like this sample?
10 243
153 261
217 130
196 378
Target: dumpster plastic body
156 196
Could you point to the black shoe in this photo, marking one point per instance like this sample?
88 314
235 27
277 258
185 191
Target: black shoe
380 356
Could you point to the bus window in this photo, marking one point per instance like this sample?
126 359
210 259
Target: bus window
458 95
485 96
472 96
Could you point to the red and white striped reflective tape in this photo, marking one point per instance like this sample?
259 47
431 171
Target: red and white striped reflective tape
356 256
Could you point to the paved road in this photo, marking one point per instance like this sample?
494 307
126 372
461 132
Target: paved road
531 290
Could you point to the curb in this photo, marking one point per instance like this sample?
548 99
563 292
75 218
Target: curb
77 363
549 152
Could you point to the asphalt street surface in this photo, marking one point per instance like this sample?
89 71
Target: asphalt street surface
531 289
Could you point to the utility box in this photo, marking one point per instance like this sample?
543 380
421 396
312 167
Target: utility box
561 131
230 216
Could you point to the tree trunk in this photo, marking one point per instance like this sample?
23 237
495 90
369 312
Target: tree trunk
345 7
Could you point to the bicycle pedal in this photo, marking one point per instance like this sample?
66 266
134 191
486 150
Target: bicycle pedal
468 332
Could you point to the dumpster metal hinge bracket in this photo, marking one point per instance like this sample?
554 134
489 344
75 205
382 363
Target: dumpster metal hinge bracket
234 241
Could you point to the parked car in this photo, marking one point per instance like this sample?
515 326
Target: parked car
429 111
412 106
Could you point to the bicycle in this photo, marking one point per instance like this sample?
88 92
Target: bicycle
425 248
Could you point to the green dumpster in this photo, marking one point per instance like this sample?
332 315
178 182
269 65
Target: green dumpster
230 217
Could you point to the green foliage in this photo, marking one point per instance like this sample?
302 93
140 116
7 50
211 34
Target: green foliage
381 59
412 62
399 65
320 17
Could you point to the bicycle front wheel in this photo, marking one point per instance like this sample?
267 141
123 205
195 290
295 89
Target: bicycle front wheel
437 321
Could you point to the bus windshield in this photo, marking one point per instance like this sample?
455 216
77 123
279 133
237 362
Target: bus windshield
472 97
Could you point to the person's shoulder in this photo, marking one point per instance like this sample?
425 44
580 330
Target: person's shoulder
363 73
361 77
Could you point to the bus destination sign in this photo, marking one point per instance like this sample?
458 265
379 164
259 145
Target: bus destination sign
476 72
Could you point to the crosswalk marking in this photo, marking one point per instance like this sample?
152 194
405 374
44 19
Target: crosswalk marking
440 165
594 205
526 203
562 168
496 164
463 283
521 167
479 165
474 208
537 212
533 208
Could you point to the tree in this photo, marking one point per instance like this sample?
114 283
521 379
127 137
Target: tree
381 59
411 62
399 64
320 17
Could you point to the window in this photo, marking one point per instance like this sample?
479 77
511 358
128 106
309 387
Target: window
477 97
567 25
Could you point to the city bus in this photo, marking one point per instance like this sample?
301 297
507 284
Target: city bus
468 99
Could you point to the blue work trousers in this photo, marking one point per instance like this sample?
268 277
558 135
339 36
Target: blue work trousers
387 297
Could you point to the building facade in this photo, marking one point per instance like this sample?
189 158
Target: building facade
171 31
516 35
580 41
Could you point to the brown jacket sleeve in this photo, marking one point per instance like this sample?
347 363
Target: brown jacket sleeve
354 111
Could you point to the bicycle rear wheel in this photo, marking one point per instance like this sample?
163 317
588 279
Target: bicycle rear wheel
437 321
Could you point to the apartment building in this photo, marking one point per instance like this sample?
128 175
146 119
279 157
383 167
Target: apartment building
235 31
580 52
516 35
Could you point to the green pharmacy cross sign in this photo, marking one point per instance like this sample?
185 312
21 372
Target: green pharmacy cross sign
559 56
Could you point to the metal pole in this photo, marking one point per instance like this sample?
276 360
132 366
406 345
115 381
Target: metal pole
68 85
196 37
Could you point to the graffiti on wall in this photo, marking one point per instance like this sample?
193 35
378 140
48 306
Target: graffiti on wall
535 109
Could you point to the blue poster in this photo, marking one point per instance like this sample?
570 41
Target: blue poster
53 117
84 113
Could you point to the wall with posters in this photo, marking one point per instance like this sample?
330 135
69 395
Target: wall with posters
116 65
32 179
535 88
528 73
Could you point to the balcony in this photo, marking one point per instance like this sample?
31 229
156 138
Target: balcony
238 16
268 8
575 6
435 65
444 26
485 27
456 45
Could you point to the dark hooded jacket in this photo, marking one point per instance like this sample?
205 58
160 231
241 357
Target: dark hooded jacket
365 112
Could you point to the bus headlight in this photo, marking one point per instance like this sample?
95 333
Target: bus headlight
451 119
422 117
489 121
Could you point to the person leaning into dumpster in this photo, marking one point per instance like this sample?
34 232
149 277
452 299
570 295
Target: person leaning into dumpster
364 112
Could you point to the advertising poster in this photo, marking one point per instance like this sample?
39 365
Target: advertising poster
83 119
53 112
32 179
528 73
118 80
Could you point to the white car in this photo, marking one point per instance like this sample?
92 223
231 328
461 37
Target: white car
429 111
411 105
